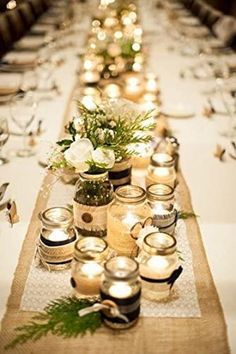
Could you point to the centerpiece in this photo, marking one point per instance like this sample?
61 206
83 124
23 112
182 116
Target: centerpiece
99 139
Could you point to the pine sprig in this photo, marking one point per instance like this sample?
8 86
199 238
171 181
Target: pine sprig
186 215
60 318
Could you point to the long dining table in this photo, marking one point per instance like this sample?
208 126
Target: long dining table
211 182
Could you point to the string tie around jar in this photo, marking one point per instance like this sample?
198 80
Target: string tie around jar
107 306
170 280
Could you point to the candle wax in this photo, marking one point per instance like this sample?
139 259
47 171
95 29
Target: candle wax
120 290
58 235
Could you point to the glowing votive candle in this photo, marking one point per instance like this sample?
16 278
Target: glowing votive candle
161 170
87 267
112 91
157 261
133 87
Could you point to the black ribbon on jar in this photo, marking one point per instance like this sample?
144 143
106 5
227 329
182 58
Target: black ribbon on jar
170 280
129 307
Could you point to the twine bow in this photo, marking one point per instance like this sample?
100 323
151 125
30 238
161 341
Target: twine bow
105 306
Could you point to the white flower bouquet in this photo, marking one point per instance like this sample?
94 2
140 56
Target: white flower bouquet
99 137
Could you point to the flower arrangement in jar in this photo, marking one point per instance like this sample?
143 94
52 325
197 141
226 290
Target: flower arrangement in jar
99 138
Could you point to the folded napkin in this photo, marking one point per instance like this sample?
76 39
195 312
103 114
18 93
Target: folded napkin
30 42
20 58
9 83
225 28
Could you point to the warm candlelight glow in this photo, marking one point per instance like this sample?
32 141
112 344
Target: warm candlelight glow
158 263
120 290
92 270
58 235
130 219
112 91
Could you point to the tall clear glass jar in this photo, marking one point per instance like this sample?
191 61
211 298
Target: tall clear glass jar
93 194
87 267
161 200
158 264
127 212
57 238
161 170
121 285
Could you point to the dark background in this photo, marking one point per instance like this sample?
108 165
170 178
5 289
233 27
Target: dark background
226 6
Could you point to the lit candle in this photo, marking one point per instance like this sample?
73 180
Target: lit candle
112 91
129 220
133 87
120 290
158 260
90 76
87 268
161 170
58 235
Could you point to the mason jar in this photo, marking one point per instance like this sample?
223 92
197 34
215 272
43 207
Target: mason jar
93 194
122 287
161 200
170 145
57 238
158 264
127 214
161 170
120 174
87 266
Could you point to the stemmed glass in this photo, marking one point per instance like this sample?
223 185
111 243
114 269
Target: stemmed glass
4 135
23 110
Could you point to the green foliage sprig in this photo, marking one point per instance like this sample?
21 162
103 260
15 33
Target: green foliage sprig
186 215
60 318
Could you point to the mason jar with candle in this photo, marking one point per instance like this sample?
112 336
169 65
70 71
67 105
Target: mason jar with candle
120 174
128 212
161 200
161 170
87 267
57 238
158 264
121 286
93 194
170 145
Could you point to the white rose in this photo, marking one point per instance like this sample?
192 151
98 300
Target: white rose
104 156
79 153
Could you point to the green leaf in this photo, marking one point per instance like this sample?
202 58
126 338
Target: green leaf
60 318
65 142
186 214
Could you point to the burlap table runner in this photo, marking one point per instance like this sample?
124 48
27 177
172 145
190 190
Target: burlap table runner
204 335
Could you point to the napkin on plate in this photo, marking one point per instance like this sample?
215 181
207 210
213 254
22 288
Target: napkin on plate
20 58
9 83
30 42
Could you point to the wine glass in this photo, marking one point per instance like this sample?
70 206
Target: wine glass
23 110
4 135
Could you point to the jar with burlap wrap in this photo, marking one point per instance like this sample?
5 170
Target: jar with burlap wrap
93 194
160 197
127 214
57 238
161 170
121 287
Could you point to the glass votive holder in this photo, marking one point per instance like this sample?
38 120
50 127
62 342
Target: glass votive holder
57 238
128 209
161 170
161 200
87 267
158 265
121 285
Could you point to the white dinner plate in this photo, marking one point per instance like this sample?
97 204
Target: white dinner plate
178 110
9 83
